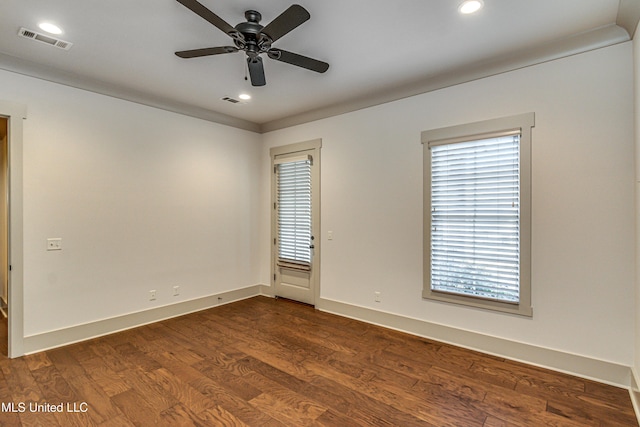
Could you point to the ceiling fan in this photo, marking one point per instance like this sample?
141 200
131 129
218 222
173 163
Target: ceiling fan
254 39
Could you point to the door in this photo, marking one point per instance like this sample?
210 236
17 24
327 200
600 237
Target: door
4 216
13 116
296 221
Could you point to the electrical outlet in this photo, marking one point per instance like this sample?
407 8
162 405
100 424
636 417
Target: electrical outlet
54 244
377 296
176 291
152 295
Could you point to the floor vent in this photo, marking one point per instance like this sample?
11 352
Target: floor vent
33 35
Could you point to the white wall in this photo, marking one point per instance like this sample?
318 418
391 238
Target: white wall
583 202
142 199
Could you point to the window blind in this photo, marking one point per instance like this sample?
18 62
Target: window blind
294 211
475 218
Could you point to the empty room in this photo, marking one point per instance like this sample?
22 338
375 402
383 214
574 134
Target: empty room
319 213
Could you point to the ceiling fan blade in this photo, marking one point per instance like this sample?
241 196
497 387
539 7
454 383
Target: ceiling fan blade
206 14
196 53
298 60
256 71
287 21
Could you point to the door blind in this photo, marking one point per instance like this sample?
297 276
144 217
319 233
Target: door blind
294 212
475 218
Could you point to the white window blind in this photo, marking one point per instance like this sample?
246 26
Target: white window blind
475 218
294 211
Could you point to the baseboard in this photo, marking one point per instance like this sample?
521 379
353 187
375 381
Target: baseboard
635 393
582 366
61 337
573 364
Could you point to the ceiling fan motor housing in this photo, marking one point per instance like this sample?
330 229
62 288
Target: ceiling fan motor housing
253 41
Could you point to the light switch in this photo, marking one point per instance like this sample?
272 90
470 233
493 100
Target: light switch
330 235
54 244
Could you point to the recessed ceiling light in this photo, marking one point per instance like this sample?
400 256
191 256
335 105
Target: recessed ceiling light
470 6
244 96
50 28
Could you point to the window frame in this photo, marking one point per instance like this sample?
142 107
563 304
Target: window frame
303 264
469 132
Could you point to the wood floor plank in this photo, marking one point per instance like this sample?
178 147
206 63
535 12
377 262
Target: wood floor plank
183 370
237 385
65 362
37 361
20 381
266 362
284 404
120 421
104 377
57 392
324 397
108 355
237 406
369 410
53 385
137 409
87 390
218 416
180 415
153 392
495 422
183 392
522 410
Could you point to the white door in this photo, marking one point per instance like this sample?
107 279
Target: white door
295 224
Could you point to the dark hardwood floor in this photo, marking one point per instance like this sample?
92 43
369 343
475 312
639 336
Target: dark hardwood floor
265 362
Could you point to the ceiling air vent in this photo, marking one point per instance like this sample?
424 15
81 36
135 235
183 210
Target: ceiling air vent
34 35
231 100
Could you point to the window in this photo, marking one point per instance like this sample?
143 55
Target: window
477 217
293 192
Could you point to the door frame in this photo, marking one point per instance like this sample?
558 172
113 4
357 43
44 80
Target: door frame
314 146
15 113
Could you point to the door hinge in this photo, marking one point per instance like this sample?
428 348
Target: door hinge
274 241
274 277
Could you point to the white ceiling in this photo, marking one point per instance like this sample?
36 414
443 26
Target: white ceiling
127 48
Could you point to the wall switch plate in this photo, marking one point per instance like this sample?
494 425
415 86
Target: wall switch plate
54 244
330 235
377 296
176 291
152 295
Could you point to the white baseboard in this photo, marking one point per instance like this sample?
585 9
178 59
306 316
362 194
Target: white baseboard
61 337
582 366
573 364
634 392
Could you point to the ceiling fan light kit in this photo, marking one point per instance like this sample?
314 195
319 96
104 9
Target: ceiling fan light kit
255 39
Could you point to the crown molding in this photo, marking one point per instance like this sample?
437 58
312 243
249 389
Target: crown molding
51 74
595 39
629 16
